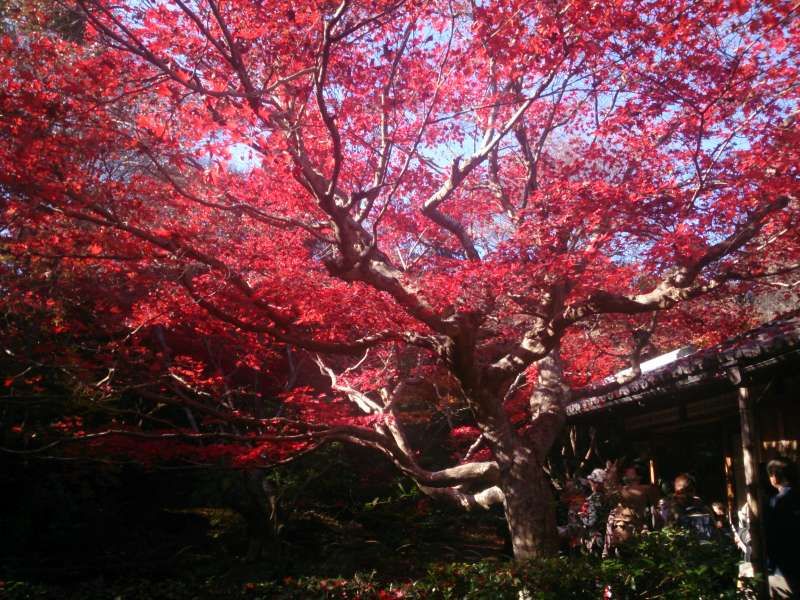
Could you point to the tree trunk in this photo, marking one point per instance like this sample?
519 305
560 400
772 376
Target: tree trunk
528 499
530 504
529 507
257 502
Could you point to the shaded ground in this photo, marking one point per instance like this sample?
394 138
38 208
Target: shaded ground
119 534
82 534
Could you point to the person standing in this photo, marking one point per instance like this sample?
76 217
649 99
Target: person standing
686 510
573 498
743 532
635 509
594 513
639 496
782 524
721 521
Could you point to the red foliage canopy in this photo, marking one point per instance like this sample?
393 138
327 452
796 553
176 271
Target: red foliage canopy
471 208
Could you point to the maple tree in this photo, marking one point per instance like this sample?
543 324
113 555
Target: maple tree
476 209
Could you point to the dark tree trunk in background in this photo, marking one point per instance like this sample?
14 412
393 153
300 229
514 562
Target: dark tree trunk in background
258 505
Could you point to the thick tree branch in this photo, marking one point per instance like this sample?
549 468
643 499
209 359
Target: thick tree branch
641 338
457 175
681 285
484 499
320 77
282 330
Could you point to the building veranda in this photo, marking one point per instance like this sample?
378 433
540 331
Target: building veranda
719 413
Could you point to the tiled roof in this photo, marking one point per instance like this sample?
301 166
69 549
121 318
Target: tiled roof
751 350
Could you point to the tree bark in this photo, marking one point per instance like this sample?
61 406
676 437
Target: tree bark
258 505
529 501
529 507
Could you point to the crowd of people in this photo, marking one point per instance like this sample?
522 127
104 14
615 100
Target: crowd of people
613 505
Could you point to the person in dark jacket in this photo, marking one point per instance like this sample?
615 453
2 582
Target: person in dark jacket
685 510
783 531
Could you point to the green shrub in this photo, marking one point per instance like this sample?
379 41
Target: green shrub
542 579
666 564
673 564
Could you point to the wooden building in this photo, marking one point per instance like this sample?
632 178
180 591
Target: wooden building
720 414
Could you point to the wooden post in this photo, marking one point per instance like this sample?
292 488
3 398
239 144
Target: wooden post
730 496
755 498
730 478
